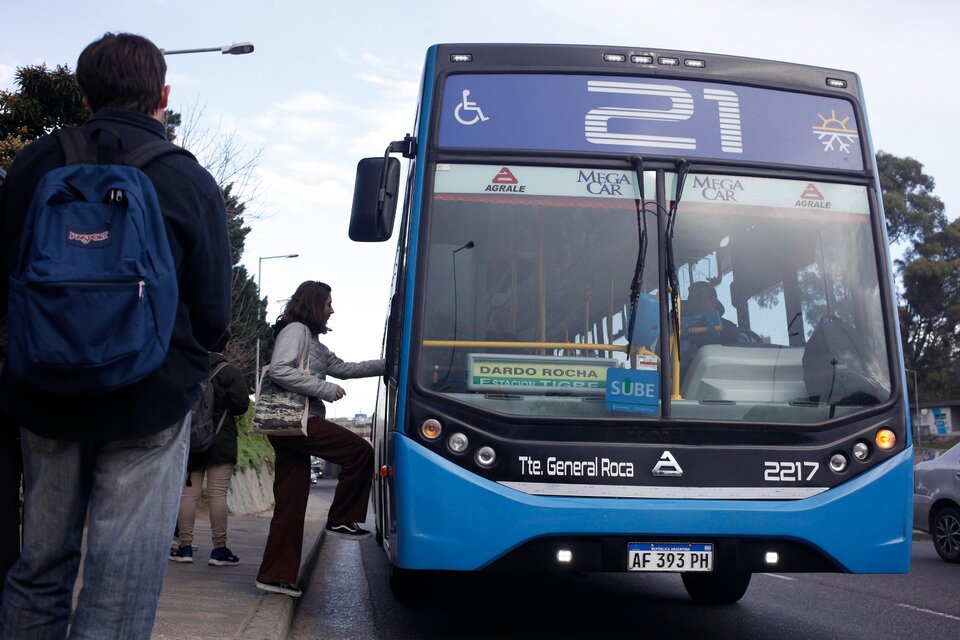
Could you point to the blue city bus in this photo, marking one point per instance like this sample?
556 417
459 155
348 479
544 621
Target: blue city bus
642 320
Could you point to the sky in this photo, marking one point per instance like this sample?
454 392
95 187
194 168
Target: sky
332 82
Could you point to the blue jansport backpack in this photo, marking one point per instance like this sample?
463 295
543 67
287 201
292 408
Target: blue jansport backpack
93 296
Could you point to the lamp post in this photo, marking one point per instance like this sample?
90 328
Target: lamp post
916 402
256 372
235 49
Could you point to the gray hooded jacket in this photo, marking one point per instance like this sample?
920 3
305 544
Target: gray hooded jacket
292 340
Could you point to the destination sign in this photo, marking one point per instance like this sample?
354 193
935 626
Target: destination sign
648 116
536 374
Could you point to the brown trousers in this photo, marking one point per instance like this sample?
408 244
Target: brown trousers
291 489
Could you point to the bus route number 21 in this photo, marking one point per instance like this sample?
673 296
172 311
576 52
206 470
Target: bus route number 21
596 121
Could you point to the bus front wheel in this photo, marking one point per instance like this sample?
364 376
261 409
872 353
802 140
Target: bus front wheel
716 588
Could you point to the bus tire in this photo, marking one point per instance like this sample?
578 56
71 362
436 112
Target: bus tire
410 585
945 528
716 588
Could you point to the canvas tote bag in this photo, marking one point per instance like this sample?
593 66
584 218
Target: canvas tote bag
280 412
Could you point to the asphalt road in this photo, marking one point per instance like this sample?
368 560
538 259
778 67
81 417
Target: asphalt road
349 599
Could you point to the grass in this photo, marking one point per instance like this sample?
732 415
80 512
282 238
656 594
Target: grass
252 448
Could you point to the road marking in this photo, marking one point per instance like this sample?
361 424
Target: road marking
936 613
774 575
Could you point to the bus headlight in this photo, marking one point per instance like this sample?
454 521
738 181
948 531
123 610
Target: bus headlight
838 463
861 450
486 457
458 442
431 429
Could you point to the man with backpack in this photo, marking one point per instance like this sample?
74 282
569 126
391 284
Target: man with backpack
231 397
102 370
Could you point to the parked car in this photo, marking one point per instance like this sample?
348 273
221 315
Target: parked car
936 502
316 466
313 477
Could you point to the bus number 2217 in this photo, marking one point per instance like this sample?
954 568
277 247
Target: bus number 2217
789 471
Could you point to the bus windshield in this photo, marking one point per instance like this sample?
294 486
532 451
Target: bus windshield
543 285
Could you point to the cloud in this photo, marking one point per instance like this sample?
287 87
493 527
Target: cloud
308 102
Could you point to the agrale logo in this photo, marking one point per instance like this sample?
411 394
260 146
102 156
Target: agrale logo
505 181
811 198
667 466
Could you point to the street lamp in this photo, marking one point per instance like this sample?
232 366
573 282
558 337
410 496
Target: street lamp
235 49
916 402
256 372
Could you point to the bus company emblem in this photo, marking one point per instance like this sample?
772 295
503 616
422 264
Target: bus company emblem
600 183
834 131
811 198
667 466
505 181
718 188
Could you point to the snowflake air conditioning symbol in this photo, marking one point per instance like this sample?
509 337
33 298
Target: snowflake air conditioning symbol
832 131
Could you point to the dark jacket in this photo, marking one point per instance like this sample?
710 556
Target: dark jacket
195 217
231 397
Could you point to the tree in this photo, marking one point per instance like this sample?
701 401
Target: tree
930 315
248 311
930 275
911 209
47 100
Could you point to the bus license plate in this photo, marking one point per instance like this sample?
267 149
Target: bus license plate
669 556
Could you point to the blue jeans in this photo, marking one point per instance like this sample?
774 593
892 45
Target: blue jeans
129 492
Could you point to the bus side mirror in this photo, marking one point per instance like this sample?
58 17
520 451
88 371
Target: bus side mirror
374 199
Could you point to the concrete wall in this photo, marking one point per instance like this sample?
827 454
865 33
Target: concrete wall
251 491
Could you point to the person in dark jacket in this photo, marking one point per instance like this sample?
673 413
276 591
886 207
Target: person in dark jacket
231 397
113 463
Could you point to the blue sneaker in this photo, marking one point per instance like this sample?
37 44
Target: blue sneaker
183 554
222 556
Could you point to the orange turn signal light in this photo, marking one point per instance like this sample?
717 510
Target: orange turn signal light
431 429
886 439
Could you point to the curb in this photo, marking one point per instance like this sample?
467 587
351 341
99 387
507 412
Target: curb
272 616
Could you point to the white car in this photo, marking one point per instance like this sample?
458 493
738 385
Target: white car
936 502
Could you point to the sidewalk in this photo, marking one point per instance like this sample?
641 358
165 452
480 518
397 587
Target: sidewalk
203 601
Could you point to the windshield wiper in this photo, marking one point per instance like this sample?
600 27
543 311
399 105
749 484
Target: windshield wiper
637 163
672 280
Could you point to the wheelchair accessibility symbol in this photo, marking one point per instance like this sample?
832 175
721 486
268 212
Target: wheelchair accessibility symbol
469 106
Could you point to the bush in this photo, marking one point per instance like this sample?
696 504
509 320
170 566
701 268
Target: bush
252 448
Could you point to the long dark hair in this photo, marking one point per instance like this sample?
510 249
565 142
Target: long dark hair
306 306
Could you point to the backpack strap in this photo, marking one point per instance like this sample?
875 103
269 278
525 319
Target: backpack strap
78 149
223 416
216 370
147 153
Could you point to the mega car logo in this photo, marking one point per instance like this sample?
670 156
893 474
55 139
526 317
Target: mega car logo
811 198
505 181
604 183
716 188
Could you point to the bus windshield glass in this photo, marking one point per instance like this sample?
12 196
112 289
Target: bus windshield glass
543 296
